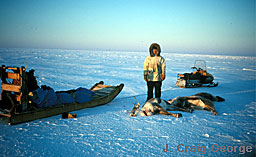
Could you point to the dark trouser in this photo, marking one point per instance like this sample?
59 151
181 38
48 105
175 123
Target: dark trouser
154 84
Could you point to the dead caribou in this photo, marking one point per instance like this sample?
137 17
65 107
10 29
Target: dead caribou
200 101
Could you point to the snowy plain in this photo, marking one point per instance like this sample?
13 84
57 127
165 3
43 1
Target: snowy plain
108 130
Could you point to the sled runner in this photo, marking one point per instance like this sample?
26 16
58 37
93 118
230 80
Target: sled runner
16 105
199 78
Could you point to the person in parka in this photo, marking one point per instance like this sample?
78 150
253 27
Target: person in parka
154 71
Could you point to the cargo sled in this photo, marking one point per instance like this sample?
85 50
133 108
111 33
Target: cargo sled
199 78
16 87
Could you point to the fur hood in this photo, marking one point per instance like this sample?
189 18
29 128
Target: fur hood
154 45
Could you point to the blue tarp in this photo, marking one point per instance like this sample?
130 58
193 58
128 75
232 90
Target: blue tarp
64 98
83 95
44 98
48 98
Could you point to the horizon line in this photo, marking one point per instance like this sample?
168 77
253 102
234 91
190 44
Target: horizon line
125 50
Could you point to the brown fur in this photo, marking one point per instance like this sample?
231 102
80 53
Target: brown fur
152 106
200 101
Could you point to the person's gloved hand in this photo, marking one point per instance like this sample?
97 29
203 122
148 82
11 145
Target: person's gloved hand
145 78
162 77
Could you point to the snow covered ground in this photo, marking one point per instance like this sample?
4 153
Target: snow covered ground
109 131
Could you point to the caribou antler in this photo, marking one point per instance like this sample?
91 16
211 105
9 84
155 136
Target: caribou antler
136 105
135 108
135 101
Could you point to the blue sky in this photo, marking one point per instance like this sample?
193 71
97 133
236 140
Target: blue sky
200 26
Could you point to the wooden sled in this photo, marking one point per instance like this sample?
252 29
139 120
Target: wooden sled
103 95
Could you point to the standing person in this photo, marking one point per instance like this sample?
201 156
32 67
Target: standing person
154 71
